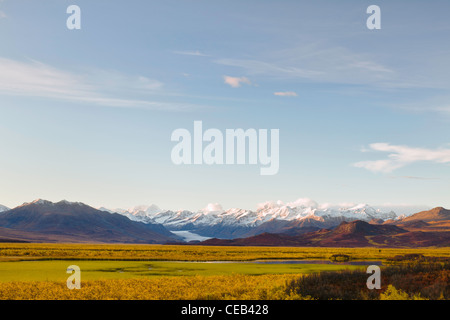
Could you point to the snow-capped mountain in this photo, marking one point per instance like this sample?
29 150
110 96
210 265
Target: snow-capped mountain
49 203
215 221
64 221
3 208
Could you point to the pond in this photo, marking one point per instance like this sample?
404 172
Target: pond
281 261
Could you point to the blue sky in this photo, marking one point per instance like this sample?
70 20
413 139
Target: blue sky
86 115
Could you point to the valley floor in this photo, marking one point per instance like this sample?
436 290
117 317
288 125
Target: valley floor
38 271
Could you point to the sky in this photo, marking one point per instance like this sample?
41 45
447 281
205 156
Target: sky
87 114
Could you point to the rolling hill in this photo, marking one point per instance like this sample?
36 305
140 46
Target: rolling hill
348 234
436 214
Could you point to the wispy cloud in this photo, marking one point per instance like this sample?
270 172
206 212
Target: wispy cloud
191 53
286 94
236 82
319 63
267 68
37 79
412 178
436 104
99 87
400 156
2 13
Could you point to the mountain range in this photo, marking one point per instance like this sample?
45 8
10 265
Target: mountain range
300 216
412 233
302 223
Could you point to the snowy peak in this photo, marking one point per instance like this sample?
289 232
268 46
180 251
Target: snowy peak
212 207
358 212
138 213
36 202
41 201
47 203
142 209
3 208
214 214
65 202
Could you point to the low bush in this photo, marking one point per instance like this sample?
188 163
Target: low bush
411 281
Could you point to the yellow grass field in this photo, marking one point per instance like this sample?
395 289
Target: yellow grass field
196 253
230 287
159 272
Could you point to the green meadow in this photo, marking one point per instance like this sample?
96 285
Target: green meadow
49 262
55 270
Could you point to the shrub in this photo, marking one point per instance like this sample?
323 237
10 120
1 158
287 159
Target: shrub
340 257
415 281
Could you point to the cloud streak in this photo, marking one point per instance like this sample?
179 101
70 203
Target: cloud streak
413 178
401 156
318 63
104 88
191 53
286 94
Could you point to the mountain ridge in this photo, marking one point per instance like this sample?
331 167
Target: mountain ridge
269 217
278 224
76 221
348 234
